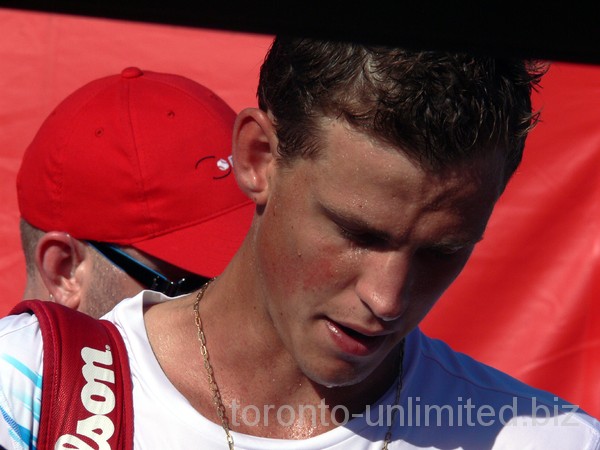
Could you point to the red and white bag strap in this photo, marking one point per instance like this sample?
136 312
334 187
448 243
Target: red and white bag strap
86 388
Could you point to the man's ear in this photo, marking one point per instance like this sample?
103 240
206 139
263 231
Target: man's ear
59 258
254 153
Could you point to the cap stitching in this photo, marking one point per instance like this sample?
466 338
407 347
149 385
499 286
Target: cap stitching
140 175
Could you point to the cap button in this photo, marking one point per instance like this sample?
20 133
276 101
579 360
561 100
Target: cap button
131 72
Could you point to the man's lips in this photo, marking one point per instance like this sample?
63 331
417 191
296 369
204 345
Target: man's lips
354 339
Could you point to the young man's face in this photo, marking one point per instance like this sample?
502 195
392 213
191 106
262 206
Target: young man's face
356 245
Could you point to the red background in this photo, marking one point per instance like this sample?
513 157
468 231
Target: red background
526 302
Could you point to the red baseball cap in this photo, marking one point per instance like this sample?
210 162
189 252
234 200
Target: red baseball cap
140 159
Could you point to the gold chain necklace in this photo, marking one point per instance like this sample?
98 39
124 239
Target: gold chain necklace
216 394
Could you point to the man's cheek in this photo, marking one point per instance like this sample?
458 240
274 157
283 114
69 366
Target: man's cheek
323 268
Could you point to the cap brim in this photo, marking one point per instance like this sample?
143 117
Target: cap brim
206 248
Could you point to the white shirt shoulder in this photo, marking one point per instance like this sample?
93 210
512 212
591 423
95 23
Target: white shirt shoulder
21 351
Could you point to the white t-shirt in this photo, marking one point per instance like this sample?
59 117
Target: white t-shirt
448 401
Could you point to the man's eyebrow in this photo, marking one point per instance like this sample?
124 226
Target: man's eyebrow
355 224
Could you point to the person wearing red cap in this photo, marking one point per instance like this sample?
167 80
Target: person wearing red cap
373 171
127 186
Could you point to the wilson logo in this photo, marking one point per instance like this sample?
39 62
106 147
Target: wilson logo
98 399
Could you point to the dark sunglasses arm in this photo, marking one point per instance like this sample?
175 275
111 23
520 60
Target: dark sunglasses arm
145 275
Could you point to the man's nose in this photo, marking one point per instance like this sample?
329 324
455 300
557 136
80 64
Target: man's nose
384 280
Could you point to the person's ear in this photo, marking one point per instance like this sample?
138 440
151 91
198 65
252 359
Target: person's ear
59 258
254 153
